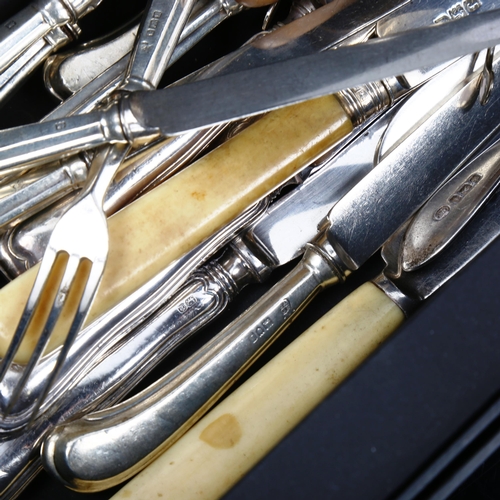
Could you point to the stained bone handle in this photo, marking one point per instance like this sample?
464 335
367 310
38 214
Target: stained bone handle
161 226
233 437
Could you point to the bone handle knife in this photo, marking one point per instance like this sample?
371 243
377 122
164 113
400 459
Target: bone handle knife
162 225
240 431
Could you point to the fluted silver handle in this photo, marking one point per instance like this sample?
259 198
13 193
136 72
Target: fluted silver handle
107 447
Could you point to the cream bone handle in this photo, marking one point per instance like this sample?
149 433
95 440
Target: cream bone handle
233 437
51 22
102 450
161 226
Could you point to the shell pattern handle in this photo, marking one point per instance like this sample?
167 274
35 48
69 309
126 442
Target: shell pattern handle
164 411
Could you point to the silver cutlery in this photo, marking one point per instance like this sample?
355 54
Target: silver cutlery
276 399
22 203
76 253
411 80
356 227
29 37
144 116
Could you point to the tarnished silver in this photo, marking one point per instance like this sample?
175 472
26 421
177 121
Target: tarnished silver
186 107
450 209
73 452
32 34
81 233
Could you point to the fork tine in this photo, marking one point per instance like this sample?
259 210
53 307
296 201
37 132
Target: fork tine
25 321
53 316
87 296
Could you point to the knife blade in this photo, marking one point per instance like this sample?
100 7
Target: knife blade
143 117
73 451
273 401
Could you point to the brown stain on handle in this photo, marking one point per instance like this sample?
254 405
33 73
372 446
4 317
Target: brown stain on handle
160 227
223 433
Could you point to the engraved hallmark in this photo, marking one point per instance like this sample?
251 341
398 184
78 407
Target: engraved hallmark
261 329
458 10
457 196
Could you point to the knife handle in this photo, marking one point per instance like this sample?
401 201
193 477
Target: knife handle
29 60
101 450
38 143
214 454
161 226
31 25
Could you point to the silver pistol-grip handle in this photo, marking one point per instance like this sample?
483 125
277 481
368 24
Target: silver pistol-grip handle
108 447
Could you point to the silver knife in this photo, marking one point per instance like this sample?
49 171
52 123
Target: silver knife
381 202
275 400
142 117
114 371
23 245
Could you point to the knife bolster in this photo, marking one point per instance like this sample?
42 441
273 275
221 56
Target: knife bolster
134 130
406 303
364 101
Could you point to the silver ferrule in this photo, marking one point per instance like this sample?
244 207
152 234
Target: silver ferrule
363 101
134 131
403 301
324 249
81 8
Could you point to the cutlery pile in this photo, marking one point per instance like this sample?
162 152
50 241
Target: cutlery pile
131 218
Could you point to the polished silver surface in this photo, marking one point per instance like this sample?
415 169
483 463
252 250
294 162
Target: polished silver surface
129 343
303 78
81 233
182 395
358 226
418 284
181 108
73 451
451 208
203 19
247 260
23 246
39 29
65 74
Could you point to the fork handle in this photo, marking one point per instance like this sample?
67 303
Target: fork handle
164 411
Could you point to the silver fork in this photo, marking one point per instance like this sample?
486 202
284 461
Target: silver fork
81 235
79 242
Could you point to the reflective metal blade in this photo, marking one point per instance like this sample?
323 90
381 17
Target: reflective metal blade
282 232
480 232
407 176
202 103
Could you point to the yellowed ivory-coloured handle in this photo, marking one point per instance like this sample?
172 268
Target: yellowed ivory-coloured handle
222 447
176 216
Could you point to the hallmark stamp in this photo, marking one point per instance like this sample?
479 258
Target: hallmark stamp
458 10
259 331
457 196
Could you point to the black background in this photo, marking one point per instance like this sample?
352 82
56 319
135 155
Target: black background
392 416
